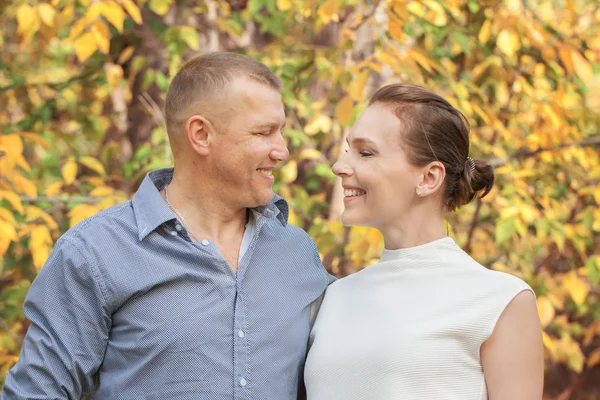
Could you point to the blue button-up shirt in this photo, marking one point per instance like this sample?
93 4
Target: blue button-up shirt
129 305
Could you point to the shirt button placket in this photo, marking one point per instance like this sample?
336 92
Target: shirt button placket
240 357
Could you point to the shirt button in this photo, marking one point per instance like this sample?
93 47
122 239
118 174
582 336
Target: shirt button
243 382
241 333
204 242
173 233
178 227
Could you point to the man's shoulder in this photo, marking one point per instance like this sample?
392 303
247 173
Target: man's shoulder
102 223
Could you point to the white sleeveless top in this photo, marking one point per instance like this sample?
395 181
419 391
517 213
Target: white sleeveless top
409 327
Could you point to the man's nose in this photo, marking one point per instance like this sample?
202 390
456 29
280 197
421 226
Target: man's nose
280 151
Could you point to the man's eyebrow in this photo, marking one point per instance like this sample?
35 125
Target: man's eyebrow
271 125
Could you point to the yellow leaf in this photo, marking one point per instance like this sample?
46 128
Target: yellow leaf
549 343
47 13
160 6
565 54
7 235
395 26
53 189
69 171
101 35
133 10
344 110
582 67
24 185
102 191
284 5
40 237
81 212
78 27
328 11
13 199
7 230
125 55
309 154
26 18
114 14
85 46
593 358
578 289
357 86
508 42
319 123
93 163
40 245
7 216
570 351
545 310
34 213
484 32
421 59
35 138
556 301
289 172
437 16
114 74
189 36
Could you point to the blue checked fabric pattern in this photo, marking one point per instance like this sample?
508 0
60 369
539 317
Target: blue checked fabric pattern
128 307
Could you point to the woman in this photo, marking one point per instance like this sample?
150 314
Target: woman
427 321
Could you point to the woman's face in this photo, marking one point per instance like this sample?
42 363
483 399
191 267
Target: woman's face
379 182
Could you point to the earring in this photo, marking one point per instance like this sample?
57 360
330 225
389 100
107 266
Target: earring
418 192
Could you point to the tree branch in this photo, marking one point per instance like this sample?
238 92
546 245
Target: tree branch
522 154
41 199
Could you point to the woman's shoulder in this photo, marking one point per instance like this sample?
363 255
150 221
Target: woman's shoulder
494 281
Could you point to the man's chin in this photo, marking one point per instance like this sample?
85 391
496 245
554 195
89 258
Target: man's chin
263 200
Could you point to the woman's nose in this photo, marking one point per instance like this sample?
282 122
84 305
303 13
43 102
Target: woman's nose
340 168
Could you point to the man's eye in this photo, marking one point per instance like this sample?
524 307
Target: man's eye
365 153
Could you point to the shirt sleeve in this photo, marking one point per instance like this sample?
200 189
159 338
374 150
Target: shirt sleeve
65 343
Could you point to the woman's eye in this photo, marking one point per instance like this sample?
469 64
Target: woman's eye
365 153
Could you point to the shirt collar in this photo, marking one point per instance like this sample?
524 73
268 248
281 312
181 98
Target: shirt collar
151 210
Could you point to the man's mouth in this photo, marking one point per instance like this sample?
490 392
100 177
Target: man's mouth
266 172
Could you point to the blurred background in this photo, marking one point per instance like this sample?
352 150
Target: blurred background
82 89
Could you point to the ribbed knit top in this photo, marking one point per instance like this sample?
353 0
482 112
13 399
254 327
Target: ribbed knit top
409 327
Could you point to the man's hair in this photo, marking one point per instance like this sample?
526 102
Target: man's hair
203 77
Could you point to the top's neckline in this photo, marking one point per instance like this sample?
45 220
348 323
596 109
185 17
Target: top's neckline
426 248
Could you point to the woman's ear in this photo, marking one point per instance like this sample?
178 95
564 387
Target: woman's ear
432 179
198 131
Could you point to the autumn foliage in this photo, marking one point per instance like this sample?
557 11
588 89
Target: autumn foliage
82 86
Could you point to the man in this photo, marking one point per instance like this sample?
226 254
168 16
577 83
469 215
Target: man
197 288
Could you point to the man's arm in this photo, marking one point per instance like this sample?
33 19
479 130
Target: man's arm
66 341
513 356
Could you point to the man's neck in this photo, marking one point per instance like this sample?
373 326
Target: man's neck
204 214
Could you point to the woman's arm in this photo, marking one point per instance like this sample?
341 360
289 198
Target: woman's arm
513 356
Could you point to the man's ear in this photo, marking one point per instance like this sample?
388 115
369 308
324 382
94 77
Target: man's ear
198 130
432 178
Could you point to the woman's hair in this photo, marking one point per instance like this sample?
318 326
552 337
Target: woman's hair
436 131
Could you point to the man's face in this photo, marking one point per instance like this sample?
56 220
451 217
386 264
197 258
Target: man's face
245 151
